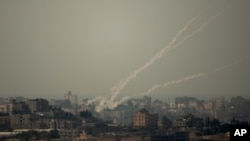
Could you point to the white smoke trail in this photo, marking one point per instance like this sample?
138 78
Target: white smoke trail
186 38
115 90
113 104
195 76
157 86
201 28
183 79
108 104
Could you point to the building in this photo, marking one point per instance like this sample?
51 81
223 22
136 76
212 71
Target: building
208 105
20 107
193 103
20 121
179 123
143 118
186 102
6 108
63 124
71 97
218 102
4 122
38 105
68 134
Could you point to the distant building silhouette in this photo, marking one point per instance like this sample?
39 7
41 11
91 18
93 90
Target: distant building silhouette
72 98
218 102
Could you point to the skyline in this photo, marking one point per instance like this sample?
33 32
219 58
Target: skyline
50 47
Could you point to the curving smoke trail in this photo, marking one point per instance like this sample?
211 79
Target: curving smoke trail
195 76
183 79
200 28
113 104
115 90
157 86
105 102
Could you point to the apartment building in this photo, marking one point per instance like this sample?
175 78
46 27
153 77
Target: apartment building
143 118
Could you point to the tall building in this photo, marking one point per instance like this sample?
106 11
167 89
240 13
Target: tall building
143 118
71 97
38 105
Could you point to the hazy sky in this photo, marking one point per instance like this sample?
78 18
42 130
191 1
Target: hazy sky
49 47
